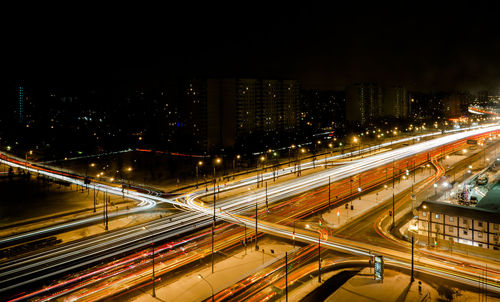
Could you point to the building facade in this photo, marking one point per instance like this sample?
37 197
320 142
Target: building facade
438 222
364 102
219 113
396 102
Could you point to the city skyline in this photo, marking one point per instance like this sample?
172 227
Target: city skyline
250 152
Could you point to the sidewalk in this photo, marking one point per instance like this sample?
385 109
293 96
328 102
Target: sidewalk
28 225
340 216
395 287
189 287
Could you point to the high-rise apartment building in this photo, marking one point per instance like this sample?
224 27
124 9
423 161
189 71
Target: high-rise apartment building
456 104
364 102
220 112
290 105
20 103
395 102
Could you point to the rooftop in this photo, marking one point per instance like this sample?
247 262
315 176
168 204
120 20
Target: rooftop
463 211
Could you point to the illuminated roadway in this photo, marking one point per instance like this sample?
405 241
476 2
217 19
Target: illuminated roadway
65 258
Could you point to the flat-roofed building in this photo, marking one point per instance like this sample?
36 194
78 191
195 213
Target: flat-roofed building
458 224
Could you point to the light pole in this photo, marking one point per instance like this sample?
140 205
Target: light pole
330 145
412 255
261 159
329 181
211 288
238 157
286 276
316 151
129 170
319 256
393 211
267 202
319 248
359 186
153 259
256 226
216 161
356 140
200 163
302 150
289 157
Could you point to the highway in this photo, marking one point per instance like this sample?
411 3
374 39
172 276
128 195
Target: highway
83 253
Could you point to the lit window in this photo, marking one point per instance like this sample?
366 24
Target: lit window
452 219
451 229
424 214
437 216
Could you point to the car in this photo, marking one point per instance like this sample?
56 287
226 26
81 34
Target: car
481 181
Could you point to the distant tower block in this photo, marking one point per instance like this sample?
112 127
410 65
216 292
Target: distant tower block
20 99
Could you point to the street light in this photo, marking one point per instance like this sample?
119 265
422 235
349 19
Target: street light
302 150
153 258
200 163
319 248
216 162
201 277
358 141
129 170
238 157
261 159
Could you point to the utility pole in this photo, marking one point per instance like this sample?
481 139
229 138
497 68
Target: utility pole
213 225
153 256
267 204
256 246
329 192
350 188
286 276
412 255
104 199
106 211
319 256
393 174
393 213
359 186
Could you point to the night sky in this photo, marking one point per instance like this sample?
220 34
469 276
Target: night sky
423 45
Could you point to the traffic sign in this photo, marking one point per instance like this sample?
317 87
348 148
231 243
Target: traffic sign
378 264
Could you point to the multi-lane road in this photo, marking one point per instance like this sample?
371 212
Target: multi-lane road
69 257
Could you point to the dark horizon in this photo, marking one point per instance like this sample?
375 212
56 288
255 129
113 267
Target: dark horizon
423 47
